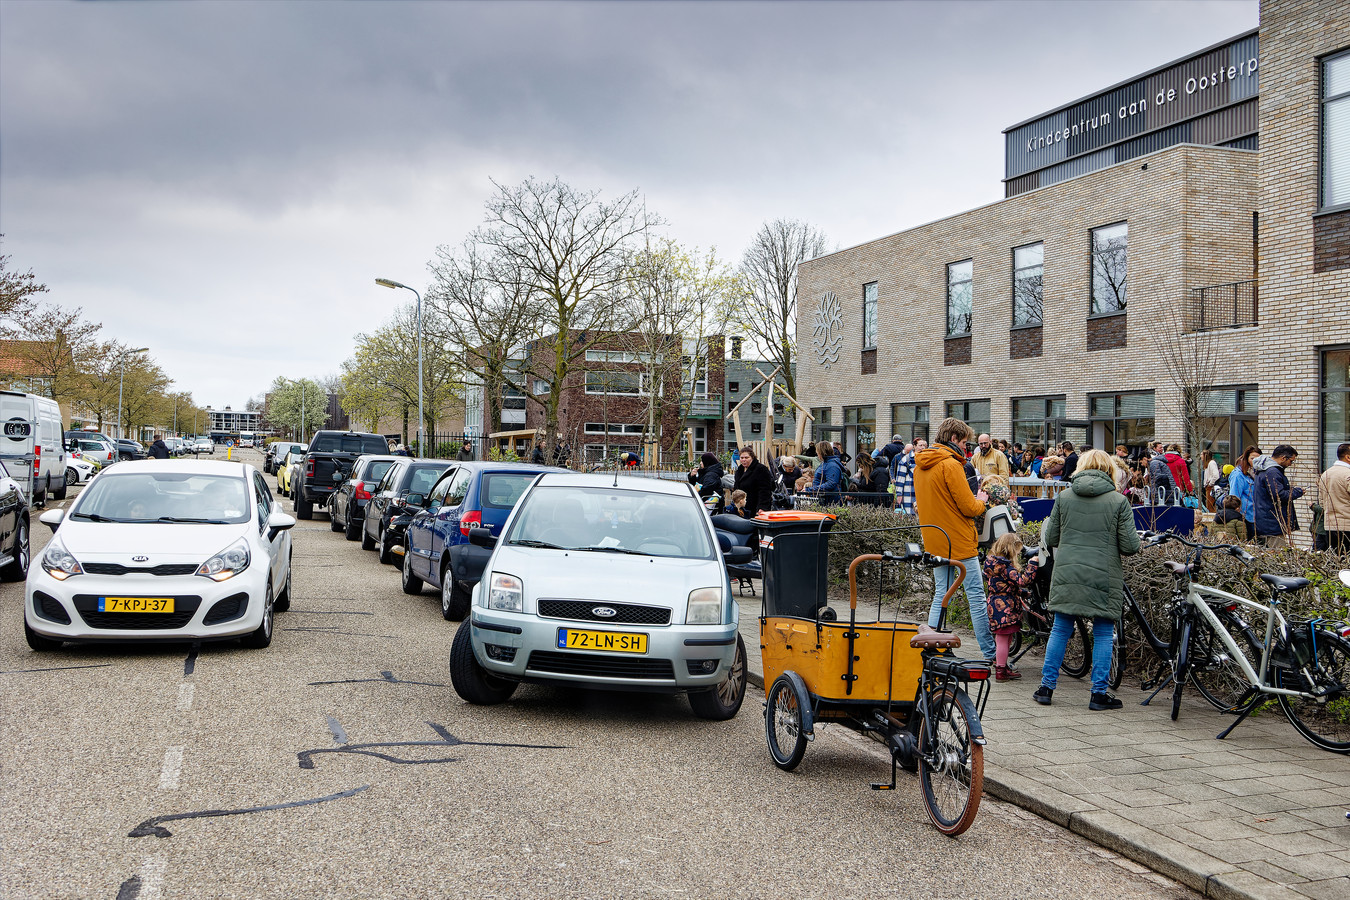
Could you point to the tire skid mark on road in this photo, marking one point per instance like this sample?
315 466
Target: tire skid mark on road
57 669
386 677
333 629
328 612
306 757
171 770
153 827
145 886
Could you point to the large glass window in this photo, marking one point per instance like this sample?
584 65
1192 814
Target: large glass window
959 277
869 316
630 384
910 421
974 413
1109 244
1029 415
1335 403
1122 419
820 417
1227 421
1336 130
1028 267
865 417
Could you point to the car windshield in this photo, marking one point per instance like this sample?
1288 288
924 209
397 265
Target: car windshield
167 497
613 520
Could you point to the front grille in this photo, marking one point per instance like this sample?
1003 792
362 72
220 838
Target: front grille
184 609
599 666
232 607
625 613
50 608
119 569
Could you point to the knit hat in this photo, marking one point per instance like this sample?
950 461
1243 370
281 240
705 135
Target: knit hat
1228 470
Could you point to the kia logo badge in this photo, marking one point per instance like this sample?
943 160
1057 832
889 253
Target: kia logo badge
604 612
140 559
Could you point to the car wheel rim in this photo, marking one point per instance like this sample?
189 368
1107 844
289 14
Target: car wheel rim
267 612
21 547
786 719
446 590
732 686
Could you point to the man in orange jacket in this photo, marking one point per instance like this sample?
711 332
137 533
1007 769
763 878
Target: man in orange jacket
943 496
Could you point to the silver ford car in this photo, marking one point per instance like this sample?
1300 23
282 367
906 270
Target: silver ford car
606 582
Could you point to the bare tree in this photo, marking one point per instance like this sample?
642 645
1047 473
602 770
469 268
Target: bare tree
388 356
769 282
18 291
54 346
1190 359
566 251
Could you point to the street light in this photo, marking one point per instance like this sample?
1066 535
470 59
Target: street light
385 282
121 376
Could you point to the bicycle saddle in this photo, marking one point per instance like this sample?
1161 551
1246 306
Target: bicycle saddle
1284 583
1177 568
929 638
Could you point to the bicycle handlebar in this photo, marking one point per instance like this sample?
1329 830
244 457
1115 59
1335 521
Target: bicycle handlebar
1157 537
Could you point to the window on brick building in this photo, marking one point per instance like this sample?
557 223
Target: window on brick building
869 316
974 413
1335 403
631 384
733 386
1029 415
910 421
1122 419
959 278
1028 268
1109 266
820 417
865 417
1336 130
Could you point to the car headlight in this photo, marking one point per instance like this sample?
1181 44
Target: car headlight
58 563
705 607
506 593
227 563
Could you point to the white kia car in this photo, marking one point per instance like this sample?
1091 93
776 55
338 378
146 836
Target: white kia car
162 550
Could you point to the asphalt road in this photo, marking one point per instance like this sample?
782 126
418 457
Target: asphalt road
557 793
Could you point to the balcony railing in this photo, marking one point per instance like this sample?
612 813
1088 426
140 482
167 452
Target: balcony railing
709 407
1222 306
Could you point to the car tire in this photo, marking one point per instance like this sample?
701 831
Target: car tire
72 477
262 636
40 494
353 529
411 583
472 682
454 598
39 642
386 551
60 492
17 570
724 701
367 542
283 601
333 524
304 509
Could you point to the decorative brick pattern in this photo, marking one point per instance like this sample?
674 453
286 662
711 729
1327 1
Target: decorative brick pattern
869 362
1024 343
1106 333
1331 242
956 351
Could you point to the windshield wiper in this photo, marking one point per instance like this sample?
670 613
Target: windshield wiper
93 517
545 544
612 550
177 519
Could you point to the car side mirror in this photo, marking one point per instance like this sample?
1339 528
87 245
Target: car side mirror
278 522
483 537
415 498
739 555
52 519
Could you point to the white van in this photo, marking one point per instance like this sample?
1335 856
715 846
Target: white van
32 445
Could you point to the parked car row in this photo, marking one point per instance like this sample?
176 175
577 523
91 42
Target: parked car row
592 580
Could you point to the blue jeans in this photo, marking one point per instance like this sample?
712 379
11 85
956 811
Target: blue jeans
979 607
1103 636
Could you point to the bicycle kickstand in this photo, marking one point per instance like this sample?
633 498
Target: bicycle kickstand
1166 681
1252 703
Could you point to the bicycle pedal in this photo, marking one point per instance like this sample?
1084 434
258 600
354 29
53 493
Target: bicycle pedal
882 786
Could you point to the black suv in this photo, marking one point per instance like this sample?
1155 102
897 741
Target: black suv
390 499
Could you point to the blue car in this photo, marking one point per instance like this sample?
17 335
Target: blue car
436 548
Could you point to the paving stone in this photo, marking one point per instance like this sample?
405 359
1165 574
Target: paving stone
1139 799
1056 744
1151 816
1312 799
1328 816
1244 885
1222 830
1239 852
1331 889
1316 866
1264 803
1195 791
1296 844
1286 823
1271 872
1297 783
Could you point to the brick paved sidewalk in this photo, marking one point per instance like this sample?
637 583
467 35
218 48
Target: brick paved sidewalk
1261 814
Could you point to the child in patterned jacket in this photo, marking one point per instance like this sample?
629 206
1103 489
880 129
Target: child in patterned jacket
1007 578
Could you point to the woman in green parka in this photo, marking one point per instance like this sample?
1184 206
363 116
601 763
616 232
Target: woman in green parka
1091 526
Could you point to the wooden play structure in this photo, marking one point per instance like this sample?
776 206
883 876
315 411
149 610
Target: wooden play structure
789 448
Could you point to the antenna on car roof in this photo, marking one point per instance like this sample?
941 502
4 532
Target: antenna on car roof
616 476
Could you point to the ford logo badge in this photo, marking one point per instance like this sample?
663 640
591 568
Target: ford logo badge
604 612
140 559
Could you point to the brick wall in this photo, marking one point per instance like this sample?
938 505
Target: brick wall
1331 242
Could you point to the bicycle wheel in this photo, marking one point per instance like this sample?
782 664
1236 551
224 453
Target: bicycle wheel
1215 672
1325 724
951 765
783 725
1117 671
1078 653
1181 663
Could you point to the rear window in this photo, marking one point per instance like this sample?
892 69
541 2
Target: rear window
502 490
349 443
375 470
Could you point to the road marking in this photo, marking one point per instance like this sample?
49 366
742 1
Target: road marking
153 881
173 765
185 692
339 733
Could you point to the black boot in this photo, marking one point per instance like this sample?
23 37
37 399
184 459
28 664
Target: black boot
1042 695
1105 701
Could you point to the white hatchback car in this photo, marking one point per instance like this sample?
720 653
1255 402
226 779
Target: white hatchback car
602 581
162 550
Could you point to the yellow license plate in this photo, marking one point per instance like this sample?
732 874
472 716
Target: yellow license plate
135 604
616 641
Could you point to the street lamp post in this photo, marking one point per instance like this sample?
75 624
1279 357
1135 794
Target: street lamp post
121 377
385 282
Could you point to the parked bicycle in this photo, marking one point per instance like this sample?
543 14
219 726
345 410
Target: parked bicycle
1037 621
1302 663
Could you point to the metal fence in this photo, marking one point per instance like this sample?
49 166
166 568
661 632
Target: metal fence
1223 306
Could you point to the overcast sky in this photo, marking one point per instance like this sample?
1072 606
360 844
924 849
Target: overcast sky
223 181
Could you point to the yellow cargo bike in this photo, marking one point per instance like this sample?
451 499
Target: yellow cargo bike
897 682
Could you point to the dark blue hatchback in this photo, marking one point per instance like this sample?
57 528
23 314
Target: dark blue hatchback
437 549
